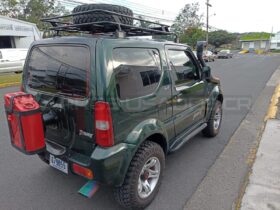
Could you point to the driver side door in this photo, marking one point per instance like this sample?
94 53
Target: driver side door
188 91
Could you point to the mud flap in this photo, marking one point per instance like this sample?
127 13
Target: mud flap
89 189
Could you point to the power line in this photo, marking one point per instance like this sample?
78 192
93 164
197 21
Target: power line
137 8
146 14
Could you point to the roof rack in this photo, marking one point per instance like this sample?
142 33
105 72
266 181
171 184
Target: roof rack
99 27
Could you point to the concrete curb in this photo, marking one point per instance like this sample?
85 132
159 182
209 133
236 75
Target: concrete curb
9 84
263 189
218 192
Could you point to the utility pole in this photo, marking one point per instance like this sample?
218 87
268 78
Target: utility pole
207 19
270 39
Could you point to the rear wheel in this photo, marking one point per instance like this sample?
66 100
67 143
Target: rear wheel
143 177
214 123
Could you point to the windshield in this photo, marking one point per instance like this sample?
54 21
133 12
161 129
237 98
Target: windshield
59 70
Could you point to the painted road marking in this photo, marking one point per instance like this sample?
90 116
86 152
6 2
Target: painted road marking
273 107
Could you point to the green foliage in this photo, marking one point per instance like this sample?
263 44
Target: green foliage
188 17
256 36
192 35
9 8
220 37
31 10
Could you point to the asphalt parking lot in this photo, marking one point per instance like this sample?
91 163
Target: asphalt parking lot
28 183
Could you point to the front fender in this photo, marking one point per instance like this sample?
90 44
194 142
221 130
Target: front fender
215 93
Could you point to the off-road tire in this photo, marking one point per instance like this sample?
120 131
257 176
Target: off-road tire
210 130
101 16
127 194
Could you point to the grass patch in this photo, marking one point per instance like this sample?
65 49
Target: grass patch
10 78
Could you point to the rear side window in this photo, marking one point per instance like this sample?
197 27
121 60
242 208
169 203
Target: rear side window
59 69
137 71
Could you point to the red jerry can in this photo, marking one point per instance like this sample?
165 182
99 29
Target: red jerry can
25 122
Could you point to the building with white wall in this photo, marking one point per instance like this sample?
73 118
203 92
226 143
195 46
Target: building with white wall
275 41
252 45
16 33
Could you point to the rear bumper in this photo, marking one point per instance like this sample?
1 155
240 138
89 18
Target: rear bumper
109 165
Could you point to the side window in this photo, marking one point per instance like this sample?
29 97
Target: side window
137 71
183 68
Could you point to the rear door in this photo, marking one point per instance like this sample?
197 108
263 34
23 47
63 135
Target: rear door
188 89
59 77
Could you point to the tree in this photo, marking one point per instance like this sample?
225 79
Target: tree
188 17
32 10
37 9
9 8
220 37
192 35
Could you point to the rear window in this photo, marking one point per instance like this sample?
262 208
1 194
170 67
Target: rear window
59 70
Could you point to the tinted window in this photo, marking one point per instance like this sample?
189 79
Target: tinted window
59 69
137 71
184 70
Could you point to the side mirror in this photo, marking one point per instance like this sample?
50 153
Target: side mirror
206 72
199 51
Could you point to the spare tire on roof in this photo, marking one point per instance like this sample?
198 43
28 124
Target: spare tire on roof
101 16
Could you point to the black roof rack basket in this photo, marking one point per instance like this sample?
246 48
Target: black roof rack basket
107 27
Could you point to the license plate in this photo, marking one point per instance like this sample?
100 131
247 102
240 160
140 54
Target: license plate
58 164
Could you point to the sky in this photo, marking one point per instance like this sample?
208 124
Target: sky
233 16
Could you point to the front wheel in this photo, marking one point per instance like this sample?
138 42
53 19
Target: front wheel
143 177
215 121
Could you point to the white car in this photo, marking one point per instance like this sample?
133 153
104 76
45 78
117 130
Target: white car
208 56
225 54
12 60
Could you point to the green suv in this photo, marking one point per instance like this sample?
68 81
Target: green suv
114 106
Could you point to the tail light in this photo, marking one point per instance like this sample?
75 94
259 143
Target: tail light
103 124
80 170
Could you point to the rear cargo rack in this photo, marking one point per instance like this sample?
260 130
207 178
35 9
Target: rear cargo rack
101 27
